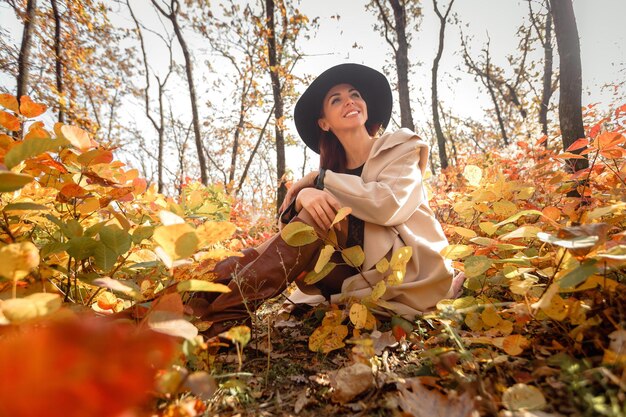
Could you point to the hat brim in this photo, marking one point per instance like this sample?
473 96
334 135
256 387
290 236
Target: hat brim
372 85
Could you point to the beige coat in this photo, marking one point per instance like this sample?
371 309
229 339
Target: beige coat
390 198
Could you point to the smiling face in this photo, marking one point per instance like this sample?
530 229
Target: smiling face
343 109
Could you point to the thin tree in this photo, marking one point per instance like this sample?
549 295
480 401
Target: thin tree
173 17
544 33
441 140
159 125
399 43
23 62
58 58
570 68
274 68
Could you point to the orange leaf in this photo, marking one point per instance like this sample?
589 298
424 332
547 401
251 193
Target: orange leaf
9 101
578 144
515 344
609 139
569 155
30 109
73 190
9 122
615 153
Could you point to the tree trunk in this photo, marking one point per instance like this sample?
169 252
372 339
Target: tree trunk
172 16
441 140
402 64
492 93
238 130
278 102
570 90
23 62
58 60
547 74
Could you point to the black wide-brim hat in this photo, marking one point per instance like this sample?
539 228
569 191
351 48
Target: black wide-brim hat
372 85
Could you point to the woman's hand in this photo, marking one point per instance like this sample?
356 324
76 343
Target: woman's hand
320 205
302 183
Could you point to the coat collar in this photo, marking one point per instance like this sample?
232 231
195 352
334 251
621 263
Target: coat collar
391 139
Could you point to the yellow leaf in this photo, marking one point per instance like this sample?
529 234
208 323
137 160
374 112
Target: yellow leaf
9 101
456 251
358 315
18 259
382 266
77 137
401 257
473 175
557 309
323 258
333 318
476 265
238 334
201 285
504 208
168 218
106 301
9 122
177 240
19 310
342 213
526 232
490 316
515 344
298 234
370 323
89 205
378 290
31 109
353 256
11 181
468 233
488 227
328 338
210 232
473 321
396 277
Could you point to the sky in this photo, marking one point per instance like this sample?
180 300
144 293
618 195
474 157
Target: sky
352 38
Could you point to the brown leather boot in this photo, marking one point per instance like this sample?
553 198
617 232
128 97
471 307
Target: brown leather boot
263 278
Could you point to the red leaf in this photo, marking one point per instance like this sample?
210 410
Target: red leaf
578 144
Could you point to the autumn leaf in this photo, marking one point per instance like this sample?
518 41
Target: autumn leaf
9 101
238 334
312 277
18 259
78 137
298 234
473 175
327 338
324 256
10 181
358 315
9 122
177 240
31 109
342 213
353 256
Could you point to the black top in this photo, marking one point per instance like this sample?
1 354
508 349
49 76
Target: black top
356 226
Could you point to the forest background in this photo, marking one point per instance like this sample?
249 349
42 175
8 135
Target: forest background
143 140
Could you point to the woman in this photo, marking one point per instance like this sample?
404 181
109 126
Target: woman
380 179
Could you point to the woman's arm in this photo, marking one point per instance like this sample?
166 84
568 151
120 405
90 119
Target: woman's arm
395 194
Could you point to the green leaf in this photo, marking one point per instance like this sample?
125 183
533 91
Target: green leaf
52 247
105 257
525 232
579 275
312 277
31 147
323 258
200 285
82 247
25 207
115 238
141 233
353 256
298 234
11 181
476 265
72 229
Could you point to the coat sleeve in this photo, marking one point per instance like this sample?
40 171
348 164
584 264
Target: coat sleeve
393 196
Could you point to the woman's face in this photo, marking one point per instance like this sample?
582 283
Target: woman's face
343 109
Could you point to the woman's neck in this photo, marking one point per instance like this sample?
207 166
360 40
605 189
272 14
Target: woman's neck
357 144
